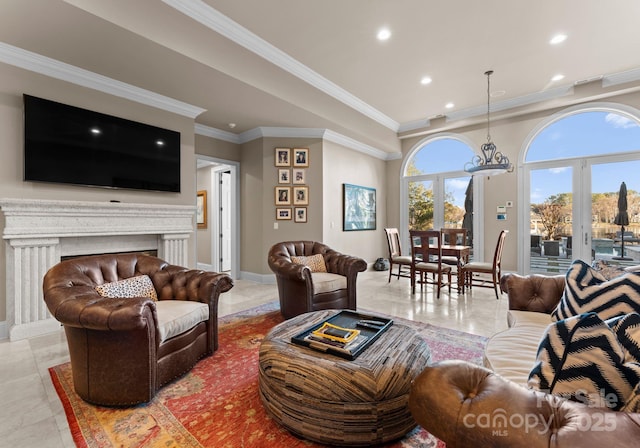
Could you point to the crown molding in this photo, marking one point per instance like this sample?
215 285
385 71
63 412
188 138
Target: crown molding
413 125
283 132
43 65
621 78
359 146
218 134
512 103
221 24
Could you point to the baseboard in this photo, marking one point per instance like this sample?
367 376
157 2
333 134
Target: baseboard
204 267
267 279
4 330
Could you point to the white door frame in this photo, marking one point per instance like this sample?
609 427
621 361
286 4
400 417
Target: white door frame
234 168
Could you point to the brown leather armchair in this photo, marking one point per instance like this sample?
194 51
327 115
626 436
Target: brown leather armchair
119 349
465 405
302 291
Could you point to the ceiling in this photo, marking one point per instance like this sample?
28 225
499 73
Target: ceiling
318 64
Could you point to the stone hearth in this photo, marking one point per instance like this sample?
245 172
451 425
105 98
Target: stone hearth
39 232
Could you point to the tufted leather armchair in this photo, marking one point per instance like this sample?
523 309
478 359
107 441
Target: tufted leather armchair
118 355
466 405
302 291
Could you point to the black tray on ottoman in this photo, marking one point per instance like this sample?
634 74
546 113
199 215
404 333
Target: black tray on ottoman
351 320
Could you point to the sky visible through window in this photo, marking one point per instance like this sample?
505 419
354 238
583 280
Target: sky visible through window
446 155
581 135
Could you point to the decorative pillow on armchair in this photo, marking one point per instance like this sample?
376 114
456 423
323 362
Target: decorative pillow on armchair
314 262
587 290
586 359
140 286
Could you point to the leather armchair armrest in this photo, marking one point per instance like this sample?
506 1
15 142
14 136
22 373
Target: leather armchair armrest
83 307
283 267
467 405
535 292
342 264
178 283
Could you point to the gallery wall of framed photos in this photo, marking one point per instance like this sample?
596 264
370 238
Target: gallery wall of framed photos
291 193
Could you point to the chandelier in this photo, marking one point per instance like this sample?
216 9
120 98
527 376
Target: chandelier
492 161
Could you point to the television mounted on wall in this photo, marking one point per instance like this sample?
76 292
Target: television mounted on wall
69 145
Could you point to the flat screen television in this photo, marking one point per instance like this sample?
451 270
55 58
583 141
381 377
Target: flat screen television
69 145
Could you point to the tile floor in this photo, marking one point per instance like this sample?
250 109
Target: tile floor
31 414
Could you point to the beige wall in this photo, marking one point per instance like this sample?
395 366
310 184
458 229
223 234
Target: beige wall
251 215
207 146
343 165
15 82
290 230
330 166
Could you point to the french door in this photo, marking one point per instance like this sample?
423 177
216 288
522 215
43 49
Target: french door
572 206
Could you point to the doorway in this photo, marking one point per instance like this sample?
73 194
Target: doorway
217 245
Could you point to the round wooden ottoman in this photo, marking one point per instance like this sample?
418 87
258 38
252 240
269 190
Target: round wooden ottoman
331 400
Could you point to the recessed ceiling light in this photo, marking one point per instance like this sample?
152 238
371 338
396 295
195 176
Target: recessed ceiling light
384 34
557 77
449 105
558 38
425 80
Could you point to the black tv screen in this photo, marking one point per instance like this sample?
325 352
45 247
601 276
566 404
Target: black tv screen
69 145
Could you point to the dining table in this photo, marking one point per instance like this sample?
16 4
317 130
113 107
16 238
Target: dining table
462 254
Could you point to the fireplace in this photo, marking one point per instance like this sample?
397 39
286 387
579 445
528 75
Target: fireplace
38 233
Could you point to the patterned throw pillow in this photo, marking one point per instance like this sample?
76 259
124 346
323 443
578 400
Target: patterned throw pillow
586 290
586 359
314 262
140 286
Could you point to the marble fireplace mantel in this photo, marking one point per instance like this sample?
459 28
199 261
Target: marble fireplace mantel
39 232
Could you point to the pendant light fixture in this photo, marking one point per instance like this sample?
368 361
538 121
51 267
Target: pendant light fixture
492 161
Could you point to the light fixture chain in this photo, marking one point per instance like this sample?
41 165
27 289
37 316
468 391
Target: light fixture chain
489 73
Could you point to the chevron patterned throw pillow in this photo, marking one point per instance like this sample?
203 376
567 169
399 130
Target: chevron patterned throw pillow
586 359
587 290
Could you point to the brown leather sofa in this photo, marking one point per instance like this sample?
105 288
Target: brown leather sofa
117 353
302 291
466 405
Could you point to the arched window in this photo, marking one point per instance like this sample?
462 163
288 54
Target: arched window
436 191
573 166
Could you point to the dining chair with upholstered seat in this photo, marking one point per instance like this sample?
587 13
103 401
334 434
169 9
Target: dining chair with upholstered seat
395 255
454 237
484 269
426 253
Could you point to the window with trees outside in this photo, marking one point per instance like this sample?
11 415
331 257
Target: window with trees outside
575 165
439 191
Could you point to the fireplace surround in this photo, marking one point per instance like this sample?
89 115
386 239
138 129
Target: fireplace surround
37 233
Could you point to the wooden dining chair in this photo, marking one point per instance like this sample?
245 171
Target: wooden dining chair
453 237
395 254
426 254
483 269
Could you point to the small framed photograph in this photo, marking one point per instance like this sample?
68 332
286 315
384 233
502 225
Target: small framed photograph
501 216
283 195
283 157
284 176
300 214
300 195
283 213
301 157
299 176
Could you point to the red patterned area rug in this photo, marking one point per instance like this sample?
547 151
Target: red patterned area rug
217 403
